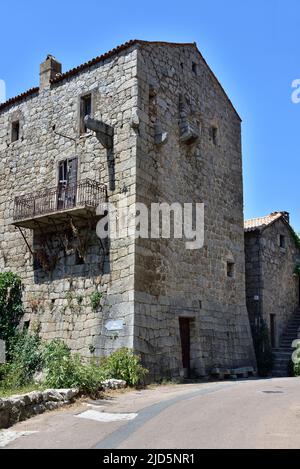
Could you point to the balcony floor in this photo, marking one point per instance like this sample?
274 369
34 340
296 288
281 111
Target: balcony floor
59 217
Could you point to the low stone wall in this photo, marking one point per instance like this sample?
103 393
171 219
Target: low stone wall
17 408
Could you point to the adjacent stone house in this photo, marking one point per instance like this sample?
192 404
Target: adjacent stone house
145 122
272 276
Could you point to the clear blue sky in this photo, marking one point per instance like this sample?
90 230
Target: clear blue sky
251 45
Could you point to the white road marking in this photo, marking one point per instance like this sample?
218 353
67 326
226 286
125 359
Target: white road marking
7 436
105 417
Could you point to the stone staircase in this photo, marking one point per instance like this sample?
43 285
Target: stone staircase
283 354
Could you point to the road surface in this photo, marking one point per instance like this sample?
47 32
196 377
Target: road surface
242 414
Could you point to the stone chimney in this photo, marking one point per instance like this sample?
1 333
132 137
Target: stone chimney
48 70
286 216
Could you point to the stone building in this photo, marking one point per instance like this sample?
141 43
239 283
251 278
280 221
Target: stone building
146 122
272 277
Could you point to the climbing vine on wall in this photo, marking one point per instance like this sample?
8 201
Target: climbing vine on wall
297 270
11 309
296 237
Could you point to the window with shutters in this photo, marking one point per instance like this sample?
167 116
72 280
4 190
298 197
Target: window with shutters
67 183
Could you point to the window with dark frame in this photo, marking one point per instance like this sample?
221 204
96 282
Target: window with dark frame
15 131
85 110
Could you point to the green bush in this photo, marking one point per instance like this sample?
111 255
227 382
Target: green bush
64 370
11 309
124 364
297 365
96 298
25 360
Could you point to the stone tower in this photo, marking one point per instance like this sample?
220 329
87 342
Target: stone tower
144 123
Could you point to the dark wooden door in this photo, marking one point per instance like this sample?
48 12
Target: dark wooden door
185 336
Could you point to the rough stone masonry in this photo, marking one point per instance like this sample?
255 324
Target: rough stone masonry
160 129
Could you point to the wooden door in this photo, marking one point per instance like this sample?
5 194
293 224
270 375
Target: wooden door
185 336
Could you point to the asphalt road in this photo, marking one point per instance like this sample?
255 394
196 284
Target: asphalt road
242 414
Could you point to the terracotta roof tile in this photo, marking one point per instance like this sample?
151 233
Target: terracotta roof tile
262 222
18 98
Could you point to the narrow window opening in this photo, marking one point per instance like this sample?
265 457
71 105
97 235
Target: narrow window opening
282 241
214 135
85 110
230 269
26 325
194 68
15 131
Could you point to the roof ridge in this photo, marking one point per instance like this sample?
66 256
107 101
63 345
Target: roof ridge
106 55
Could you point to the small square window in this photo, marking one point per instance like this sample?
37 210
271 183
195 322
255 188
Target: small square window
85 110
15 131
282 241
230 269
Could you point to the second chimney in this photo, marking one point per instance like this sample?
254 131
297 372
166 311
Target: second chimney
49 70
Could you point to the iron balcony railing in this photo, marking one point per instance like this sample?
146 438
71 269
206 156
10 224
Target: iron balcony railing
86 193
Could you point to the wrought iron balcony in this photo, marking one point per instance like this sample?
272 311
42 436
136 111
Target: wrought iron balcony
50 205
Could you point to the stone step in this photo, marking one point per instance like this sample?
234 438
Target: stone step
281 369
286 355
283 350
283 354
282 365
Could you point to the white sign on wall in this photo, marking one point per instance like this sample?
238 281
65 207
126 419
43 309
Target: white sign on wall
116 325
